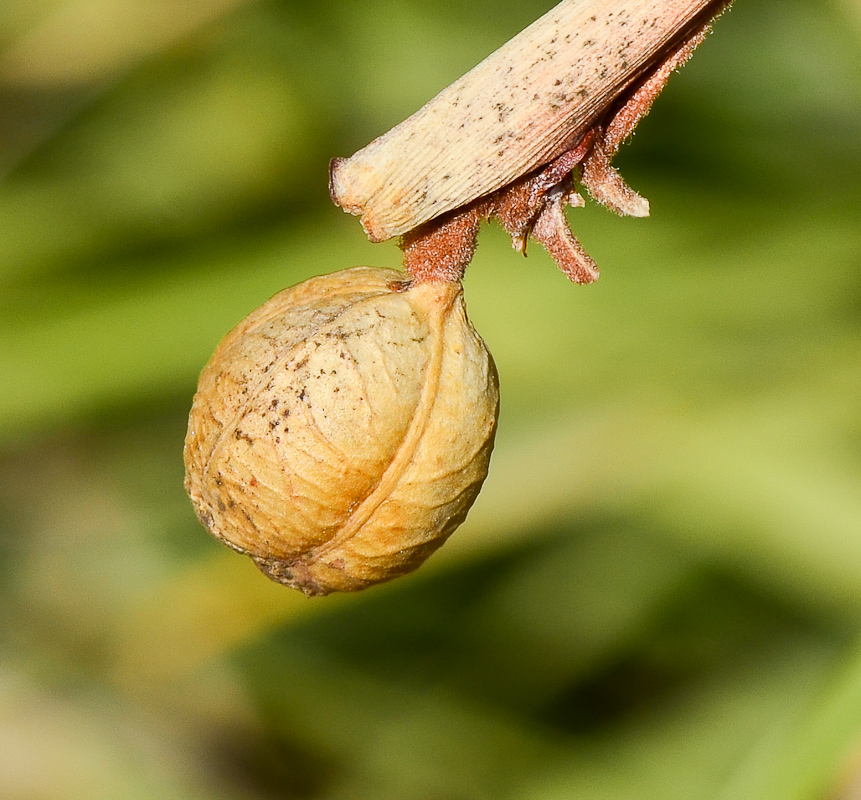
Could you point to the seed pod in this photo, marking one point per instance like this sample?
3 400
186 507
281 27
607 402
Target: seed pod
341 432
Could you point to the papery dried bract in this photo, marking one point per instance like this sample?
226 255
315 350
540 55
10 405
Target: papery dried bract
342 431
519 109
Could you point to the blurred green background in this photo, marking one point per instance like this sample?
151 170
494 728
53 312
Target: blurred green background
658 593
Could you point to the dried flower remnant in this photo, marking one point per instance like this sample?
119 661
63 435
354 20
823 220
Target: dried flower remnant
511 138
342 431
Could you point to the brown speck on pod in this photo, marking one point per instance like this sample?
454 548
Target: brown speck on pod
387 447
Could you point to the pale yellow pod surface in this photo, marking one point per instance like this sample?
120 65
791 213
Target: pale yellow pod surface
342 431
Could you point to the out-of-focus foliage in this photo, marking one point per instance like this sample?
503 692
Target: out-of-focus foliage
658 594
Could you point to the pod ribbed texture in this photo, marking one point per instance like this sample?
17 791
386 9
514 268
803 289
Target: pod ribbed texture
342 431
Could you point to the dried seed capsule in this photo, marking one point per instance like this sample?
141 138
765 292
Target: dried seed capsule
342 431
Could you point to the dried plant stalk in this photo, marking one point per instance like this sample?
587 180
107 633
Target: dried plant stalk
560 96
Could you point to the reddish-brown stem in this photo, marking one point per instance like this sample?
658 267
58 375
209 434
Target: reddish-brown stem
440 250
